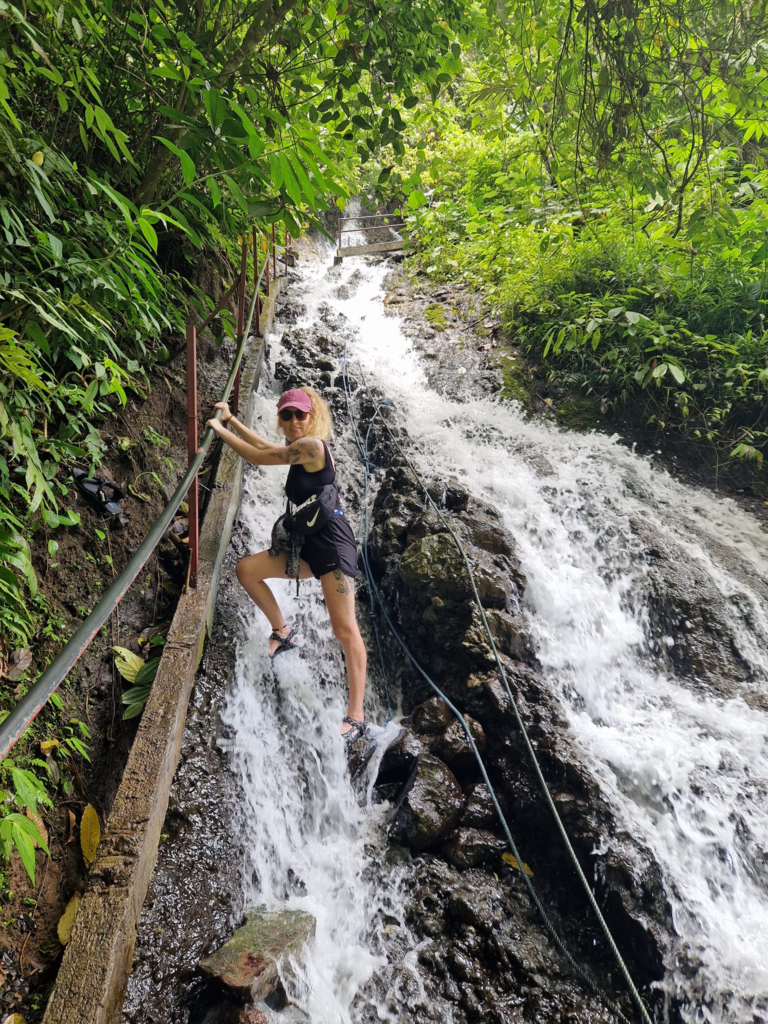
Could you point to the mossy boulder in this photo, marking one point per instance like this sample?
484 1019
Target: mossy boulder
432 566
247 964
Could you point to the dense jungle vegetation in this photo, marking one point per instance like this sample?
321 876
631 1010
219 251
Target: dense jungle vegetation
596 168
599 172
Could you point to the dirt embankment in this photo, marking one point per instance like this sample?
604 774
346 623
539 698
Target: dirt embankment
146 456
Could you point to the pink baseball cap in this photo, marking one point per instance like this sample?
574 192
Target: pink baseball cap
295 399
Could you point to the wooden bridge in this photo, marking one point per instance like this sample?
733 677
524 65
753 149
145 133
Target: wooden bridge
393 245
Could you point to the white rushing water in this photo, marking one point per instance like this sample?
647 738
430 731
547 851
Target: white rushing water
314 843
685 768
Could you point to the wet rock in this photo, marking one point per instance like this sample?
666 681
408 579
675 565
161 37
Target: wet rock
433 566
510 635
468 847
248 962
242 1015
432 716
454 747
399 758
429 806
520 677
482 526
478 900
479 811
455 497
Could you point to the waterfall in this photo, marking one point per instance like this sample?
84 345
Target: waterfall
683 764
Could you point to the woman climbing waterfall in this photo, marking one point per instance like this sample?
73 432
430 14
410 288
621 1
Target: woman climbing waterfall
314 539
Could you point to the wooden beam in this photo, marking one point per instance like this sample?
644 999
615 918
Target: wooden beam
91 983
361 250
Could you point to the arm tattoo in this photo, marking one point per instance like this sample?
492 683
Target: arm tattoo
343 587
297 451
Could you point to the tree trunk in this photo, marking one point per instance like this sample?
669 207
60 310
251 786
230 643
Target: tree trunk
268 15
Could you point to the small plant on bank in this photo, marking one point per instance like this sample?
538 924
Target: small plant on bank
140 673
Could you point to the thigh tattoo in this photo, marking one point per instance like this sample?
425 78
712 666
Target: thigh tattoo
344 586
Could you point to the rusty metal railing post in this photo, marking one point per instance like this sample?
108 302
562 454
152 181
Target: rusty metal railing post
274 255
339 232
240 320
256 279
193 508
266 273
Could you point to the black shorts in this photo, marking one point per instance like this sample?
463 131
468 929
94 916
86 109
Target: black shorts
331 548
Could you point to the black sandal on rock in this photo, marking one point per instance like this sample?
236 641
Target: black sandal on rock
286 643
358 731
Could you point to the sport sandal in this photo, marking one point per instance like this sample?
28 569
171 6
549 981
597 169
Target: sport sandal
285 643
358 731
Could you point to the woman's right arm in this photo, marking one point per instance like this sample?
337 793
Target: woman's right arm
252 438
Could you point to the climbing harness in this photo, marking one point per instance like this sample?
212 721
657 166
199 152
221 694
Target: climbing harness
582 972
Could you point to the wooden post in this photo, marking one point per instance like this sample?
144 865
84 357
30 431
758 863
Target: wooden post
240 321
266 273
274 255
192 493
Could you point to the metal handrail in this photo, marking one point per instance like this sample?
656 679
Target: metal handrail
38 695
374 227
368 216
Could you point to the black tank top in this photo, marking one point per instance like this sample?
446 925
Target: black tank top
301 484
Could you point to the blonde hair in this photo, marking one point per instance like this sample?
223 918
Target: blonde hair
320 423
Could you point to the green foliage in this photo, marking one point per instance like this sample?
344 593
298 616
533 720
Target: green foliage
129 138
27 784
623 301
142 674
136 697
18 830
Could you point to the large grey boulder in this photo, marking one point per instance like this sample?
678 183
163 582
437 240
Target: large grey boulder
248 962
429 806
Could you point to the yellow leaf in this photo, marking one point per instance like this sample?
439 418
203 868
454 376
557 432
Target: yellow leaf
90 833
37 158
48 746
513 861
15 1018
38 823
72 823
67 919
127 663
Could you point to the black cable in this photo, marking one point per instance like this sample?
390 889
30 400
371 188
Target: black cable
580 970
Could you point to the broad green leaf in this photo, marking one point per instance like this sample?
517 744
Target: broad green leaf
147 672
187 165
127 663
148 231
290 183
